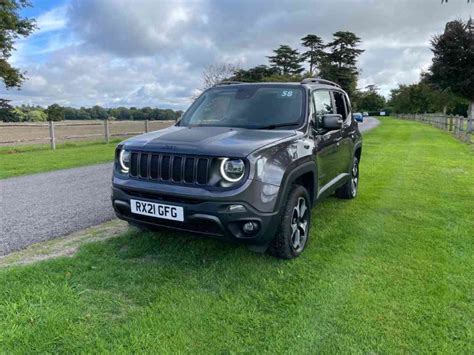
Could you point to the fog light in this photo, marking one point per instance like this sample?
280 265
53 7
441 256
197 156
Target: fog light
250 227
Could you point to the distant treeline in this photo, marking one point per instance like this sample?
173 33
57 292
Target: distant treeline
55 112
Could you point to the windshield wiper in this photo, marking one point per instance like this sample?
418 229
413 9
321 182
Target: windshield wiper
273 126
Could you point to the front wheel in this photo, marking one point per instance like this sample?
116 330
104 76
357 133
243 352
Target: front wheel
293 232
349 189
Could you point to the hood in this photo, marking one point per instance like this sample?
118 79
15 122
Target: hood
213 141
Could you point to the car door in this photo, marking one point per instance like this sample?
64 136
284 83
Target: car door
341 104
326 141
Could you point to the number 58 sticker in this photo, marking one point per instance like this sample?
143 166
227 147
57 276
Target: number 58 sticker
287 93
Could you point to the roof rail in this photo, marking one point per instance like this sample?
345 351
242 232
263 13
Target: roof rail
319 81
228 82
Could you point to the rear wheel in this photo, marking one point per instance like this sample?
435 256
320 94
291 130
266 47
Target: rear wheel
349 189
293 232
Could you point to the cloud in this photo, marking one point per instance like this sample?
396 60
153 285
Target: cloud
52 20
152 53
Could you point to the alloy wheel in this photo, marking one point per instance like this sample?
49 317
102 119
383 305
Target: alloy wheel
354 177
299 225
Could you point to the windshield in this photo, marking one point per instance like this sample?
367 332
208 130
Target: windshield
248 106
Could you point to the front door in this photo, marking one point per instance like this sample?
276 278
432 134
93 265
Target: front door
326 142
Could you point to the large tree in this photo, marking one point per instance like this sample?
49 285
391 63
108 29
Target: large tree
287 61
453 61
315 51
12 26
340 62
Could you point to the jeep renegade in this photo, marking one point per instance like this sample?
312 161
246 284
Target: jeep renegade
246 162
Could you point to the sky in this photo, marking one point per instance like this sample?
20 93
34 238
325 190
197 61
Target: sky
152 53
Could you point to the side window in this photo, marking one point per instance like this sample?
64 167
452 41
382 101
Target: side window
340 105
323 104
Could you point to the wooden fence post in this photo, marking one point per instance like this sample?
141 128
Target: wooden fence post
146 126
52 136
107 131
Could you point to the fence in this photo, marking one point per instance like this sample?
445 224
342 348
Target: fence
460 126
54 132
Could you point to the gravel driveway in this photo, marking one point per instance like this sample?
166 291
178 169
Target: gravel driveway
43 206
39 207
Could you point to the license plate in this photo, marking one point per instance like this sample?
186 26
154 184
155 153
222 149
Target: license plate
158 210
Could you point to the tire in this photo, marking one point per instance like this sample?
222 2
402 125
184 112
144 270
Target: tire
349 189
289 241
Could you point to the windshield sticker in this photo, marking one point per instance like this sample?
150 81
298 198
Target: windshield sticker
287 93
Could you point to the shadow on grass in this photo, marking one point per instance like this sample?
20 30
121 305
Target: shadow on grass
190 249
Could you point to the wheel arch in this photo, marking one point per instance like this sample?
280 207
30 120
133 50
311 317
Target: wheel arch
304 174
358 151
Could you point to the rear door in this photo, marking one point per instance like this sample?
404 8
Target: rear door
326 141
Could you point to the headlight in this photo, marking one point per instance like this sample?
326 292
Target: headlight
232 170
124 160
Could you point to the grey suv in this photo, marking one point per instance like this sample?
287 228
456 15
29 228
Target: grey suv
246 162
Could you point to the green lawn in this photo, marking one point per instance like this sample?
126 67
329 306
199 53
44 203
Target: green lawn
23 160
389 272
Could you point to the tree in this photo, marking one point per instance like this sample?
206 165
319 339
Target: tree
422 97
216 73
55 113
255 74
315 53
372 88
287 61
343 49
6 111
453 61
339 64
368 101
12 26
36 116
98 113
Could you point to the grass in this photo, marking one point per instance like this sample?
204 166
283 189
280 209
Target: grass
389 272
23 160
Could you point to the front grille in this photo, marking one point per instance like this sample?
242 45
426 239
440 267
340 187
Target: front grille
161 198
170 168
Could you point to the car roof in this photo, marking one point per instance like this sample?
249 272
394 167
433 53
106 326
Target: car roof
312 83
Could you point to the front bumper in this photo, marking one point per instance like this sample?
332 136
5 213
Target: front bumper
212 218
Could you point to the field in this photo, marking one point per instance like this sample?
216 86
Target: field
23 160
389 272
25 133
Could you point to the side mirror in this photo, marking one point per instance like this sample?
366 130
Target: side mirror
332 121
